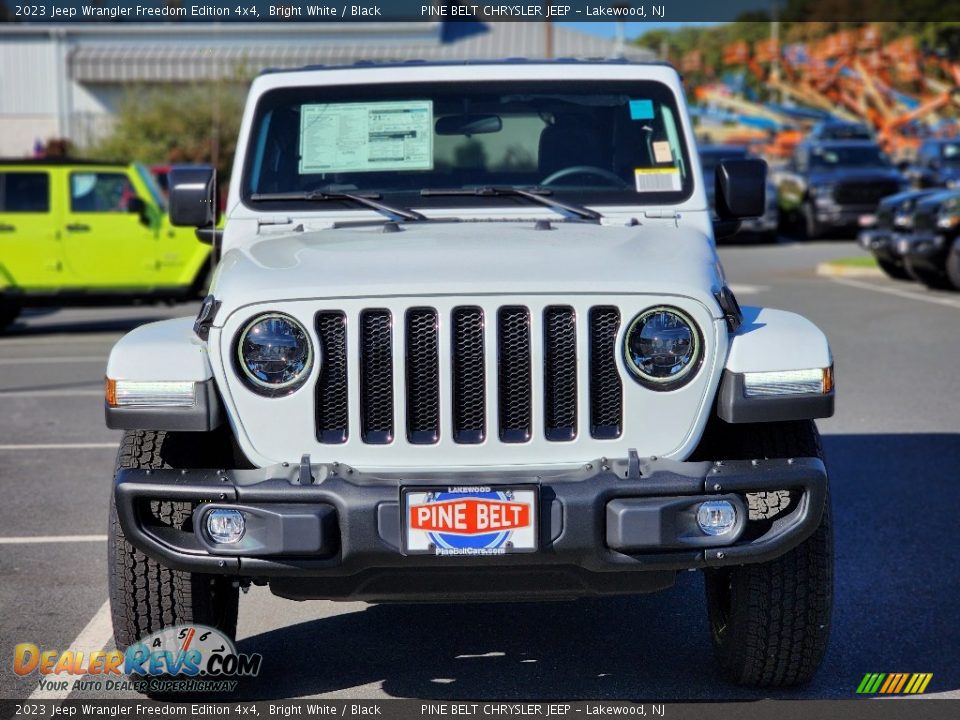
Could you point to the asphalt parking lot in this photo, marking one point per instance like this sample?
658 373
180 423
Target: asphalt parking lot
893 450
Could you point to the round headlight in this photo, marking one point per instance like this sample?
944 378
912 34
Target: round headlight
662 348
274 354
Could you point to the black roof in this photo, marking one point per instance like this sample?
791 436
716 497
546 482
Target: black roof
448 63
60 161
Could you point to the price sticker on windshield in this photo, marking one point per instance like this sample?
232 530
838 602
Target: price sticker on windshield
657 179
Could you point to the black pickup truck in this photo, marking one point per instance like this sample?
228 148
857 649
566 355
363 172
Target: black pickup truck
882 232
828 185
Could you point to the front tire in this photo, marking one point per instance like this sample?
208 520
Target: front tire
146 596
896 272
932 279
9 312
813 230
770 621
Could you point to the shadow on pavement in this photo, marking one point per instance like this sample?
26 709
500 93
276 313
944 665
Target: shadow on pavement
895 498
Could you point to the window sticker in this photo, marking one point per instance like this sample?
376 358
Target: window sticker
657 179
662 152
641 110
366 137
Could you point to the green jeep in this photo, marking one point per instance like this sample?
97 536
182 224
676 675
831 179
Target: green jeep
81 232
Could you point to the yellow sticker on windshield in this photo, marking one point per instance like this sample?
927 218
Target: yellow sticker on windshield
657 179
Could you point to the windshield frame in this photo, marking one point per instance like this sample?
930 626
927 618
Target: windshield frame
402 91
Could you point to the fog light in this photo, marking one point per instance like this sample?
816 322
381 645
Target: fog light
716 517
225 526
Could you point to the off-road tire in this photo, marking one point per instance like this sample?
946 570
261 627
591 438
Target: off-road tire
9 311
812 229
930 278
146 596
897 272
770 621
953 267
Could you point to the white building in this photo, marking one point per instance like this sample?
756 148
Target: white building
67 80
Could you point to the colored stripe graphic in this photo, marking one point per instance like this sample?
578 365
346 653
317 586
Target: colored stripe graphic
894 683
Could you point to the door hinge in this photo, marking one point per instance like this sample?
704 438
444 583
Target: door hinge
208 311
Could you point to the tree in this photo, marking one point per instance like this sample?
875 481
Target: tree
176 124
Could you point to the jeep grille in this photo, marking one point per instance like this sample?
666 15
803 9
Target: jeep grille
475 380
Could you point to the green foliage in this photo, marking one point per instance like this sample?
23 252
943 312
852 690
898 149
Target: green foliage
176 124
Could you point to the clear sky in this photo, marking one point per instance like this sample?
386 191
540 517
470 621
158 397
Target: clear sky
631 29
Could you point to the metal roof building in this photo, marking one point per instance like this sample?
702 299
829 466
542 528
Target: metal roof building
67 80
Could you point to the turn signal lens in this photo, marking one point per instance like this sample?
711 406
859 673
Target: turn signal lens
788 382
142 393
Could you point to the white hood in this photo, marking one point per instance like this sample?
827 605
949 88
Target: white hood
470 258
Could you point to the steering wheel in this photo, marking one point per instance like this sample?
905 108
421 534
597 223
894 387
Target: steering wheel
583 170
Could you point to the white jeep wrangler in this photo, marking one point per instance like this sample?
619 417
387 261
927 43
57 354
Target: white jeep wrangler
469 339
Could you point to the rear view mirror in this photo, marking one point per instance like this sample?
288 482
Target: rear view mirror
468 124
741 187
193 197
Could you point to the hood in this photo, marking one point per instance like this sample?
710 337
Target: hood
470 258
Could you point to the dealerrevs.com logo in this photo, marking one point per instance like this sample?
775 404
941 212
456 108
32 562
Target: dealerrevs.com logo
182 658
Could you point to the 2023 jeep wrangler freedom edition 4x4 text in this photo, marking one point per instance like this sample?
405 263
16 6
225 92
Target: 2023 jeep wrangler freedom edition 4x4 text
470 339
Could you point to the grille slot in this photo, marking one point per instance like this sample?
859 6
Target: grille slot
606 388
423 376
332 392
514 374
863 193
376 377
469 376
560 373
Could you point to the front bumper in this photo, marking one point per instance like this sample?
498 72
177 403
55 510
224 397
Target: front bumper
829 214
610 526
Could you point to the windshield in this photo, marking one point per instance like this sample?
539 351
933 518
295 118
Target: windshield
149 180
844 156
607 142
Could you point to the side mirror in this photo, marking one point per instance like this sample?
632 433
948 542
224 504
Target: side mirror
741 187
138 206
193 197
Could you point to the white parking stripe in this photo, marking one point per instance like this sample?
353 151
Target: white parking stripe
60 446
49 360
61 339
92 638
928 298
40 539
50 393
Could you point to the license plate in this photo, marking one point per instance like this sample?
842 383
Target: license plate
903 246
469 521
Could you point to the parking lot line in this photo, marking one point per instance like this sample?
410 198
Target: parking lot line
47 360
934 299
93 637
40 539
50 393
60 446
61 339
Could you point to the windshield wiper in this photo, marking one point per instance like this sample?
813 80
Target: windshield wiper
537 195
366 199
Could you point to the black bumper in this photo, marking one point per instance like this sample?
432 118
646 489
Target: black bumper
611 526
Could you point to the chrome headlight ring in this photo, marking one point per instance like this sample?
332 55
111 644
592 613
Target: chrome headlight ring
274 354
663 348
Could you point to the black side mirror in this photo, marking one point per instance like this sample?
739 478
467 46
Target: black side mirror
193 197
741 188
138 206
